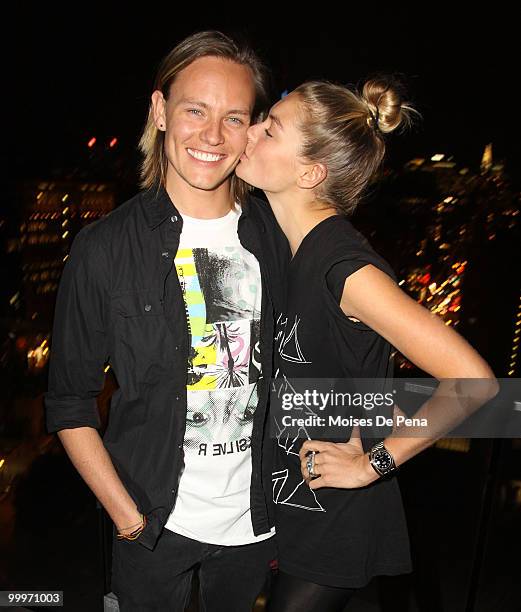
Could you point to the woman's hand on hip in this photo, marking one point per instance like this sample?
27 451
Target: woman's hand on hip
342 465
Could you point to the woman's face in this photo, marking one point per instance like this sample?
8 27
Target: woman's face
270 161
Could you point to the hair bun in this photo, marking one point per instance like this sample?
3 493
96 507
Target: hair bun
385 99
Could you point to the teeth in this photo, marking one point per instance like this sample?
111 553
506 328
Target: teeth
204 156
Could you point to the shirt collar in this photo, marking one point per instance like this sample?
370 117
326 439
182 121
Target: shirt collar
157 206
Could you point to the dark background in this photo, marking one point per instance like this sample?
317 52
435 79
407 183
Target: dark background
86 69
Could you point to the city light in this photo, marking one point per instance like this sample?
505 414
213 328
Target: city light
515 342
461 445
37 357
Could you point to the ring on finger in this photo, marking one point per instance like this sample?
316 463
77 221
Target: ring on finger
310 464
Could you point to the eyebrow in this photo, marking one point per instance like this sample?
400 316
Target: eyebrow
234 111
275 119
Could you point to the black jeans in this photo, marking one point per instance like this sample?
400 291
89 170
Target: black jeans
230 577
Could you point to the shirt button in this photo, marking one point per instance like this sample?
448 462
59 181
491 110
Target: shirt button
173 218
176 347
177 397
148 307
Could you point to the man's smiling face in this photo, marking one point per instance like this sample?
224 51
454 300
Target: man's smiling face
207 115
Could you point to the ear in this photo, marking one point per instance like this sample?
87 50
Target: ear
159 110
311 175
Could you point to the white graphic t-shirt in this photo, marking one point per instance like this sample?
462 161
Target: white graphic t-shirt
221 285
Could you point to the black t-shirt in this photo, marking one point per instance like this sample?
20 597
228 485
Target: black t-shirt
332 536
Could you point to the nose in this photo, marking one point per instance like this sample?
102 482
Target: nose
253 132
212 133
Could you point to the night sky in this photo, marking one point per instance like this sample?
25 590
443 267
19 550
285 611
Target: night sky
86 69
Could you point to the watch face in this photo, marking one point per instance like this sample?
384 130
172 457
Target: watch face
382 460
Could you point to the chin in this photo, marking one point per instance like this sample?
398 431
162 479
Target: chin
209 183
244 176
239 172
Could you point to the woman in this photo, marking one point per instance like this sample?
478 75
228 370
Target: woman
338 521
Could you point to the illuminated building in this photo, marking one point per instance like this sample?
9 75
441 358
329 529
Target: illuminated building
52 213
455 232
513 365
486 161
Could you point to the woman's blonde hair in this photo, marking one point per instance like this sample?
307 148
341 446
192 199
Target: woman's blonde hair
202 44
345 130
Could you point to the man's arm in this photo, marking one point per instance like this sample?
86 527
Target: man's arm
90 457
79 350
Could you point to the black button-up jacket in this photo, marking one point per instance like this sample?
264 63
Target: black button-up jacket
120 302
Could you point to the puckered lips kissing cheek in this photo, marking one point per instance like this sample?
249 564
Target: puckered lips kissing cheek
248 152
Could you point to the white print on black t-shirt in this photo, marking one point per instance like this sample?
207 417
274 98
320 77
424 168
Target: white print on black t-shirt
288 344
289 488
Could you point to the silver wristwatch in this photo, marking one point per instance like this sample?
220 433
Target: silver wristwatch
381 459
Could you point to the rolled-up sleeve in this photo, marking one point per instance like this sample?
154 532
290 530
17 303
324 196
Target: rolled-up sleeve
79 344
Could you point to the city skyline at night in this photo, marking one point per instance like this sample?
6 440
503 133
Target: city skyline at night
91 77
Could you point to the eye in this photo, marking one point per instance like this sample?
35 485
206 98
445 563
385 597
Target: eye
236 120
268 134
194 111
198 419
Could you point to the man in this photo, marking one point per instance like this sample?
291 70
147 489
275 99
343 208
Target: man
170 289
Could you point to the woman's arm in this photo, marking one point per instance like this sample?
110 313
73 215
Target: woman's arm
416 332
427 342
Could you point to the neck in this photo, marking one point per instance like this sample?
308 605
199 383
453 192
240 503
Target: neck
297 216
200 203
